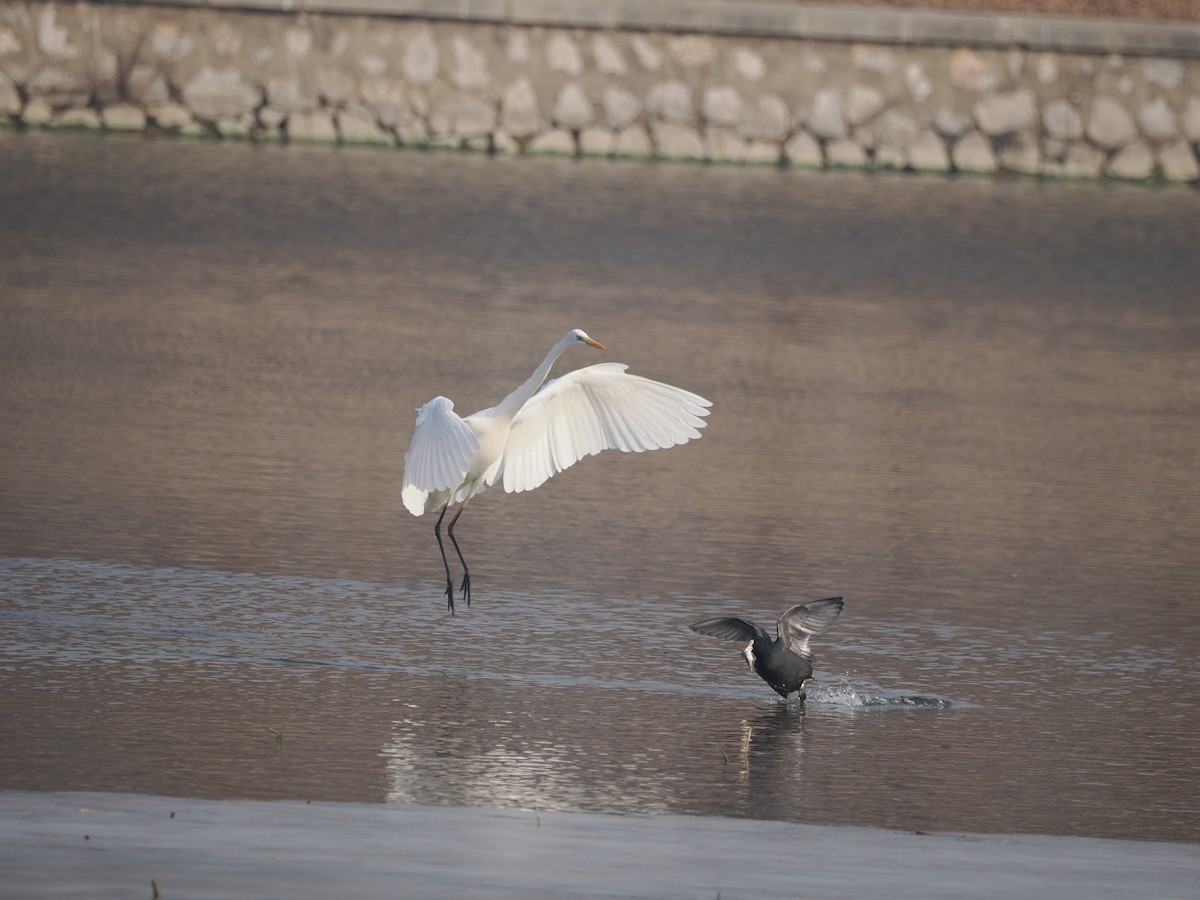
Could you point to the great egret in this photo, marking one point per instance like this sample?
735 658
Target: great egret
784 663
533 434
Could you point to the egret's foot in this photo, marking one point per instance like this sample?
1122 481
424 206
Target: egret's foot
465 589
450 597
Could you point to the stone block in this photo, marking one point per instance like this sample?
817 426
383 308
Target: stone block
723 106
220 93
334 85
973 153
169 43
724 145
37 112
1166 73
874 58
972 71
519 113
357 127
516 48
316 126
171 116
918 83
891 157
292 94
845 153
895 129
1157 120
670 101
572 108
1062 120
648 55
1047 68
1191 120
862 104
595 142
673 141
1018 152
235 126
387 99
950 123
123 117
10 100
609 59
55 39
692 51
828 117
60 86
462 116
1006 113
1177 161
928 153
1080 161
620 107
555 142
749 64
503 143
563 54
197 129
768 120
802 149
421 58
77 117
146 85
1109 125
1134 163
762 153
470 64
633 142
270 117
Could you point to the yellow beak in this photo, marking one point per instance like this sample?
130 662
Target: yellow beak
596 344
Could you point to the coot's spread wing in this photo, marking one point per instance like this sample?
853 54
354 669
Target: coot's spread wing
803 621
731 629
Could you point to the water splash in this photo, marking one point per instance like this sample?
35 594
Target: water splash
844 695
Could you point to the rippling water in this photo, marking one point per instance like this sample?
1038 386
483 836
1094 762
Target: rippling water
968 406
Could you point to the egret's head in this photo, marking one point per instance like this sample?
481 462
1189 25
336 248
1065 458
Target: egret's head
749 654
580 336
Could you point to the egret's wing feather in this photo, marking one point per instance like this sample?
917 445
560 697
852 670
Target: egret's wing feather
730 629
593 409
440 453
801 622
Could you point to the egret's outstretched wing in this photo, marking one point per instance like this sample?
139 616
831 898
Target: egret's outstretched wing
594 409
731 630
801 622
440 453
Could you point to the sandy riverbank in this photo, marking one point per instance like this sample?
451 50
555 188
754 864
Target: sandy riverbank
66 845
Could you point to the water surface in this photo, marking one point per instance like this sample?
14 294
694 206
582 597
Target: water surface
968 406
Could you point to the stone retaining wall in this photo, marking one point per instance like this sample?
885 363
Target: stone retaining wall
652 91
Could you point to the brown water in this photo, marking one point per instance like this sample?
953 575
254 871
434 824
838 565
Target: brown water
969 406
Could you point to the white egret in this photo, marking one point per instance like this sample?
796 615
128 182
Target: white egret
536 432
784 663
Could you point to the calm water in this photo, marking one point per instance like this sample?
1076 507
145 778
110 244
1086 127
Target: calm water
970 407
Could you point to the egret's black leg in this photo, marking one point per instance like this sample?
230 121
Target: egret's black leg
465 590
437 531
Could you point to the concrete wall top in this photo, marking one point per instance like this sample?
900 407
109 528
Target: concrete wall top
765 19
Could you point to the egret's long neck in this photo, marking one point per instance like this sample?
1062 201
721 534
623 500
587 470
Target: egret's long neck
511 405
